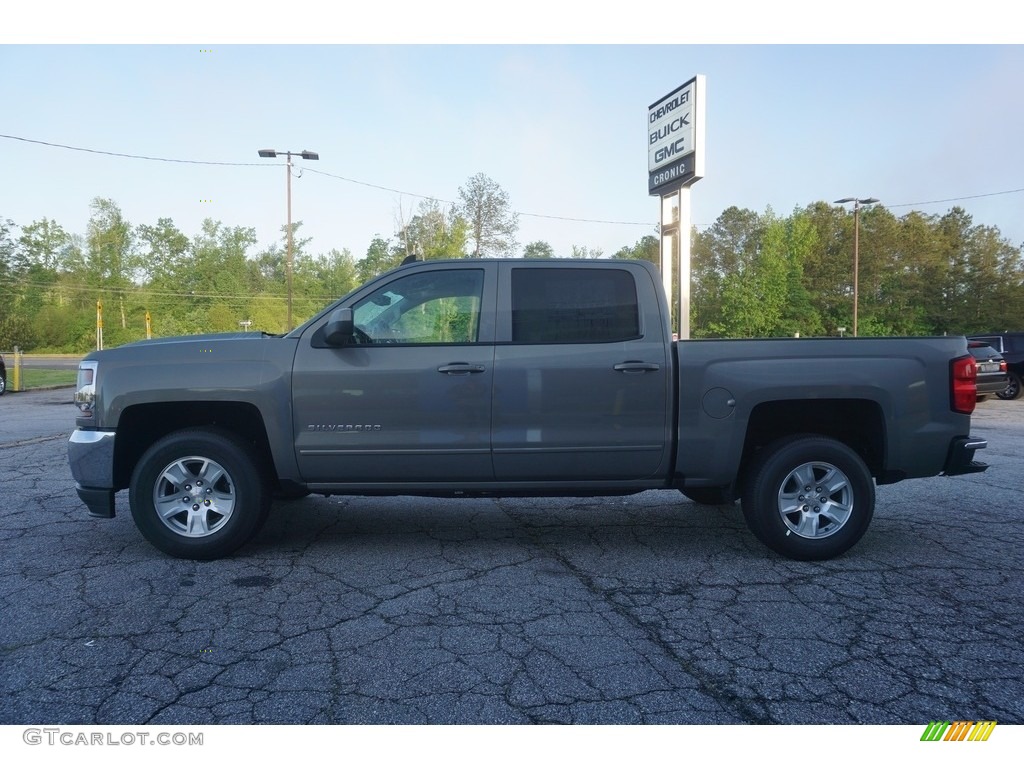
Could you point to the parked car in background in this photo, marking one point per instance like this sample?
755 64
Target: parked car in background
992 376
1009 344
3 376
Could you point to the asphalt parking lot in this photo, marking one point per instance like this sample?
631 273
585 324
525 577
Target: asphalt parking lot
646 609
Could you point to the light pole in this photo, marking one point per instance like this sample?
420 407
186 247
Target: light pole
305 155
857 203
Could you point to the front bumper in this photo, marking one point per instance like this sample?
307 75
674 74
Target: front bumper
91 456
960 459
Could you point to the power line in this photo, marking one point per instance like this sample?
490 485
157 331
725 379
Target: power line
956 199
375 186
307 170
589 221
123 154
432 197
452 202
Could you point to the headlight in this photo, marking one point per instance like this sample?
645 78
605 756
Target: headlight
85 391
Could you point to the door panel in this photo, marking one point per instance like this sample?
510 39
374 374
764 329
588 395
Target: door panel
409 399
580 410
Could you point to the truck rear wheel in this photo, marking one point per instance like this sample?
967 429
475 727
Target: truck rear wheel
808 497
198 494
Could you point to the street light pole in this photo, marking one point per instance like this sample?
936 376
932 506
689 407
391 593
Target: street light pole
857 203
305 155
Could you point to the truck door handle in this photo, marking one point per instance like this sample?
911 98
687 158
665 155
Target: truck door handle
460 369
636 366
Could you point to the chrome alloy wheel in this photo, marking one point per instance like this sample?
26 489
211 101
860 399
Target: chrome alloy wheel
815 500
194 496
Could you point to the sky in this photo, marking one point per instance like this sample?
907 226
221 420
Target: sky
560 126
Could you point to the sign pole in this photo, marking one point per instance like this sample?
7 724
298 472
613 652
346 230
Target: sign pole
684 262
670 251
675 161
668 258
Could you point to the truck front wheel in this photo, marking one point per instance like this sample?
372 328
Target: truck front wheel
198 494
808 497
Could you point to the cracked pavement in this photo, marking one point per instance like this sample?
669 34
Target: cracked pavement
641 609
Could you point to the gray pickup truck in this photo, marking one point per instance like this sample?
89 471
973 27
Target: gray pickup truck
515 377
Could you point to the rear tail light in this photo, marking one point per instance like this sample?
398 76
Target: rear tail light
1002 366
963 387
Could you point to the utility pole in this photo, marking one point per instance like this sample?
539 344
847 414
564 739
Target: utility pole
857 203
305 155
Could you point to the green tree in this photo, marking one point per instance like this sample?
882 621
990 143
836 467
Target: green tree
268 313
726 248
380 257
754 295
914 264
584 252
164 252
13 261
215 275
1007 293
48 251
9 254
435 233
46 244
538 249
798 314
879 232
828 267
492 223
647 248
335 272
14 328
111 263
220 317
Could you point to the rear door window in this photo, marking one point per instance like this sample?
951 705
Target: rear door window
573 306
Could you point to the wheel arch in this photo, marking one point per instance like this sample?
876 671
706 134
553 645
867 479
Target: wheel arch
858 423
142 425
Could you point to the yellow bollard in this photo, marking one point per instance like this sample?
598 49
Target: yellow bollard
17 371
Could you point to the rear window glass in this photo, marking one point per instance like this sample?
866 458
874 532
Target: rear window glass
572 306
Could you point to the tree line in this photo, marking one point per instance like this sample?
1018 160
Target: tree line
753 274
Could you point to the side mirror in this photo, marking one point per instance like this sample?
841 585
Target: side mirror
340 327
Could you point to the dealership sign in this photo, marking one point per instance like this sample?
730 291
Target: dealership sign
675 138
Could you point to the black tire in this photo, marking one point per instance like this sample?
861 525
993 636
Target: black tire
198 494
712 497
1013 389
3 384
776 487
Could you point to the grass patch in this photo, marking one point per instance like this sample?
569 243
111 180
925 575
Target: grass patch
35 378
